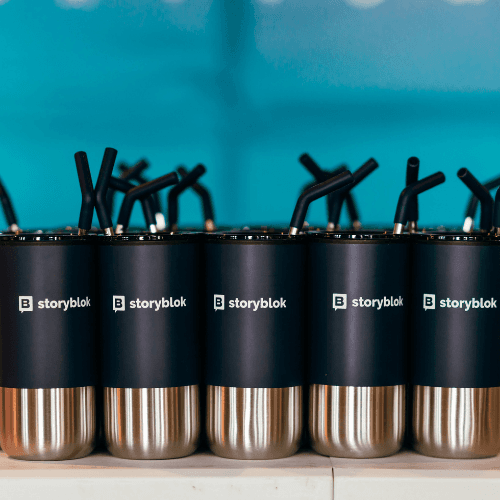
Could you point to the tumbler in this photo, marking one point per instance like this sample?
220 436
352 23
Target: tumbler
149 319
47 346
455 345
255 320
358 320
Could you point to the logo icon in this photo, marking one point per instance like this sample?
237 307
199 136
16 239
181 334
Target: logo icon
429 301
340 301
218 302
25 303
118 303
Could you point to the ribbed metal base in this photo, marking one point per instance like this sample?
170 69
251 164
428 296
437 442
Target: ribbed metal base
453 422
152 424
356 422
254 424
47 424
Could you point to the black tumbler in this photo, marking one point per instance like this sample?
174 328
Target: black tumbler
358 329
149 319
455 345
255 322
48 352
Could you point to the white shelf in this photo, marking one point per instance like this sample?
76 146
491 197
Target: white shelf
306 475
410 476
200 476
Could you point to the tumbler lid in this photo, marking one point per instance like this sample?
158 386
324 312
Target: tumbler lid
451 236
365 235
147 237
69 238
252 235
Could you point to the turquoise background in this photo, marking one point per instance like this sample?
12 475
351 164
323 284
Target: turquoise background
246 87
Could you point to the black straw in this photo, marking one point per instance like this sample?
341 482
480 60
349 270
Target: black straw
8 209
412 167
405 198
339 196
313 168
134 172
333 206
126 173
470 212
352 210
173 195
206 198
142 191
147 202
317 191
87 189
101 188
483 196
496 213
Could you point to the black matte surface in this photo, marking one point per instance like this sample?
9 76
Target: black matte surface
315 192
262 348
357 346
47 348
144 347
452 347
8 209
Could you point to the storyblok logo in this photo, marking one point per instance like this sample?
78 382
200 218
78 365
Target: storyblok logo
340 301
25 303
118 303
219 302
429 301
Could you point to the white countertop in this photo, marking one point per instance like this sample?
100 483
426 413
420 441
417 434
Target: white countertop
306 475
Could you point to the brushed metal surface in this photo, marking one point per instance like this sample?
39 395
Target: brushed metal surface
450 422
47 424
254 423
151 424
356 422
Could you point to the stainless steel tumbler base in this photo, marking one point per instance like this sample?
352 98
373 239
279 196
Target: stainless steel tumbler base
254 423
152 424
451 422
356 422
47 424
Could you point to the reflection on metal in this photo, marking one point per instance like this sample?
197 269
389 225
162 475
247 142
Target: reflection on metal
161 224
451 422
398 228
48 424
468 225
356 422
254 423
412 226
210 225
151 424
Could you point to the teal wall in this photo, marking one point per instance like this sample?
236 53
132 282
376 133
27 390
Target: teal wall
246 87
